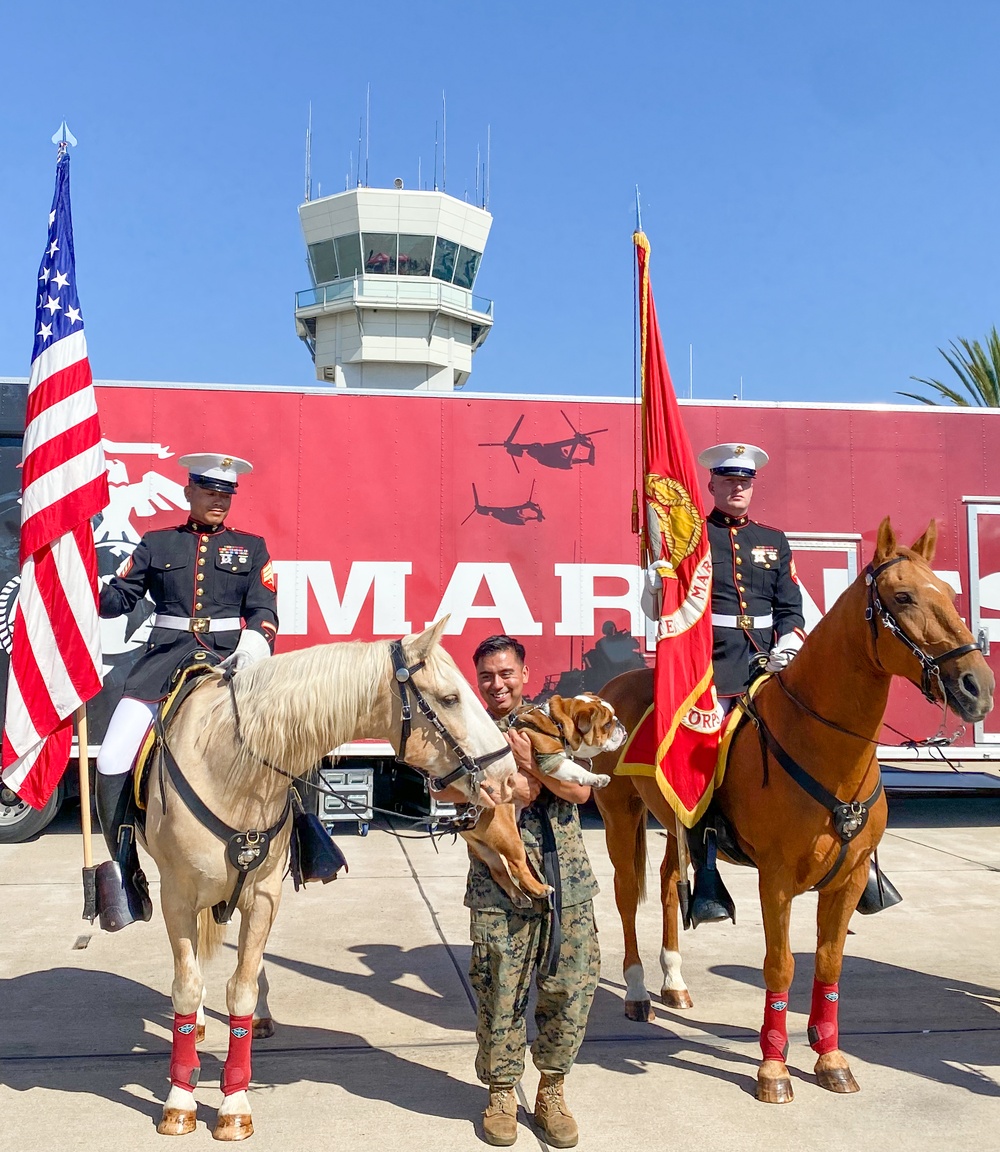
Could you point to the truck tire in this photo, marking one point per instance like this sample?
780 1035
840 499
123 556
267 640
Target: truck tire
19 821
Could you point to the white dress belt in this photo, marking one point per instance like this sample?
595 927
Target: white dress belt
196 623
755 623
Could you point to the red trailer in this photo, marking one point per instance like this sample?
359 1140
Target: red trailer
384 511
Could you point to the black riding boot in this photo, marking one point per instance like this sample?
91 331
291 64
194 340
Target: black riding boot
710 901
122 890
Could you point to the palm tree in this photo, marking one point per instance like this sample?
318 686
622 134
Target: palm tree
977 369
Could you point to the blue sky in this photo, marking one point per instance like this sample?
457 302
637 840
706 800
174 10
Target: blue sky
818 181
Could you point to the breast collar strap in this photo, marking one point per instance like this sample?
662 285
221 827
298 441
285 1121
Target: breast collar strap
930 666
473 767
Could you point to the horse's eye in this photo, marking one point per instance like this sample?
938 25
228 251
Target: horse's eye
903 598
449 701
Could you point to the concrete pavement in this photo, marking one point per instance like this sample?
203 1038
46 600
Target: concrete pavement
374 1045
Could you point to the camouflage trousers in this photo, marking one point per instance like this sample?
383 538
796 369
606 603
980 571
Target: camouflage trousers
508 948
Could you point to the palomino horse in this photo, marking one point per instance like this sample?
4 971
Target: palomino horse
825 713
234 745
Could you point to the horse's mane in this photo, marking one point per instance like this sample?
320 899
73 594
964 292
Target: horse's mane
297 707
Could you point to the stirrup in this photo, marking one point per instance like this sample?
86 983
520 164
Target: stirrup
122 889
879 892
710 901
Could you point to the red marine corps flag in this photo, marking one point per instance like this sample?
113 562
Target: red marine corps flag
687 719
56 659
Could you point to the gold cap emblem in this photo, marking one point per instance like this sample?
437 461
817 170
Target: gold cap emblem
740 449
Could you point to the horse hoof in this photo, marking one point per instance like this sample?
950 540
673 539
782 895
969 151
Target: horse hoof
774 1088
199 1036
677 998
640 1010
263 1028
837 1080
176 1123
233 1128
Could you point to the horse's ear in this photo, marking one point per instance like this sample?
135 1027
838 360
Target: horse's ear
885 544
419 646
927 544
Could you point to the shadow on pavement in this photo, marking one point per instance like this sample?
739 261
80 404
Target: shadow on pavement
884 1008
111 1013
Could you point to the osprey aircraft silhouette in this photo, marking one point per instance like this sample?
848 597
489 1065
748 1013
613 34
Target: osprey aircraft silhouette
575 449
527 513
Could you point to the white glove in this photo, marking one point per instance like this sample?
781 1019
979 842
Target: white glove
651 585
251 648
782 653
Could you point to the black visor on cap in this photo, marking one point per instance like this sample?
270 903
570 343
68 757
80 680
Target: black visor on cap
746 473
227 487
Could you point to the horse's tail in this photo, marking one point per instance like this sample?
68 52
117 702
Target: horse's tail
639 858
210 935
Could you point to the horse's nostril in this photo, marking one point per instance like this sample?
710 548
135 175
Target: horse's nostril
970 685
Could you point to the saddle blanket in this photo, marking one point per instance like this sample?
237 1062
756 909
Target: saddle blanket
636 756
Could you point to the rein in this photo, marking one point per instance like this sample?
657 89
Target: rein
850 817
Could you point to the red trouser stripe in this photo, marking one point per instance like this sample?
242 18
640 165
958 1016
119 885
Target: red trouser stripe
774 1034
236 1072
824 1033
184 1062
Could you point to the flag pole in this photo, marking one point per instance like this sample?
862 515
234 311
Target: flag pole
680 830
89 871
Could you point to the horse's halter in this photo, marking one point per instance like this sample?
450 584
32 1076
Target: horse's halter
930 666
474 767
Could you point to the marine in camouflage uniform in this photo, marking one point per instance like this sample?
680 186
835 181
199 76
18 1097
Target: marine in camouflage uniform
510 944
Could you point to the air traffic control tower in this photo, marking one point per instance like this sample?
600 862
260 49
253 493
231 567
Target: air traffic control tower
392 302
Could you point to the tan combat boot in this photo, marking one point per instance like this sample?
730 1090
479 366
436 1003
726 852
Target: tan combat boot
551 1114
500 1117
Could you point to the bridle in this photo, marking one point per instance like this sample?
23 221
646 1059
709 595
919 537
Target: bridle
877 612
473 767
850 817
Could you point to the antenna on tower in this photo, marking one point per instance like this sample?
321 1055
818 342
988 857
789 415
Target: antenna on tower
444 144
477 174
309 146
435 155
486 202
361 125
368 127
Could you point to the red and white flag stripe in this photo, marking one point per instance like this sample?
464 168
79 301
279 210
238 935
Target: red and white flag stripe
56 659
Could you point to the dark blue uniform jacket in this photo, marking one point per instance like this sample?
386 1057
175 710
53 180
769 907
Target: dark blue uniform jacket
752 575
196 572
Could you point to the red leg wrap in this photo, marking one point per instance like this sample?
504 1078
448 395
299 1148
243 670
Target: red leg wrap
774 1034
824 1034
184 1063
236 1072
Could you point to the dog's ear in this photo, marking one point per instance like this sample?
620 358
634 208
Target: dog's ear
563 712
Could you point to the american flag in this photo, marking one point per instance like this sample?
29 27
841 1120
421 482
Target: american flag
56 659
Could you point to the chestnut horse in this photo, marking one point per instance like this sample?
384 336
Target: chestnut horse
825 713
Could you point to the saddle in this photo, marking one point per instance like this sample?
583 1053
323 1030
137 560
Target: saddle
314 855
186 678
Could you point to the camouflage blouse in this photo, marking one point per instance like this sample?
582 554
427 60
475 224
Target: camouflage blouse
578 882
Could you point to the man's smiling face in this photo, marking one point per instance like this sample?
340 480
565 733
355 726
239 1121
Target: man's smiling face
501 678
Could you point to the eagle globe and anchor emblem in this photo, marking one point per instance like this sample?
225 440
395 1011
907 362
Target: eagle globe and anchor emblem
674 526
115 537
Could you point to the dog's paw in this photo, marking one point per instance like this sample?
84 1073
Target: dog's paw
599 780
